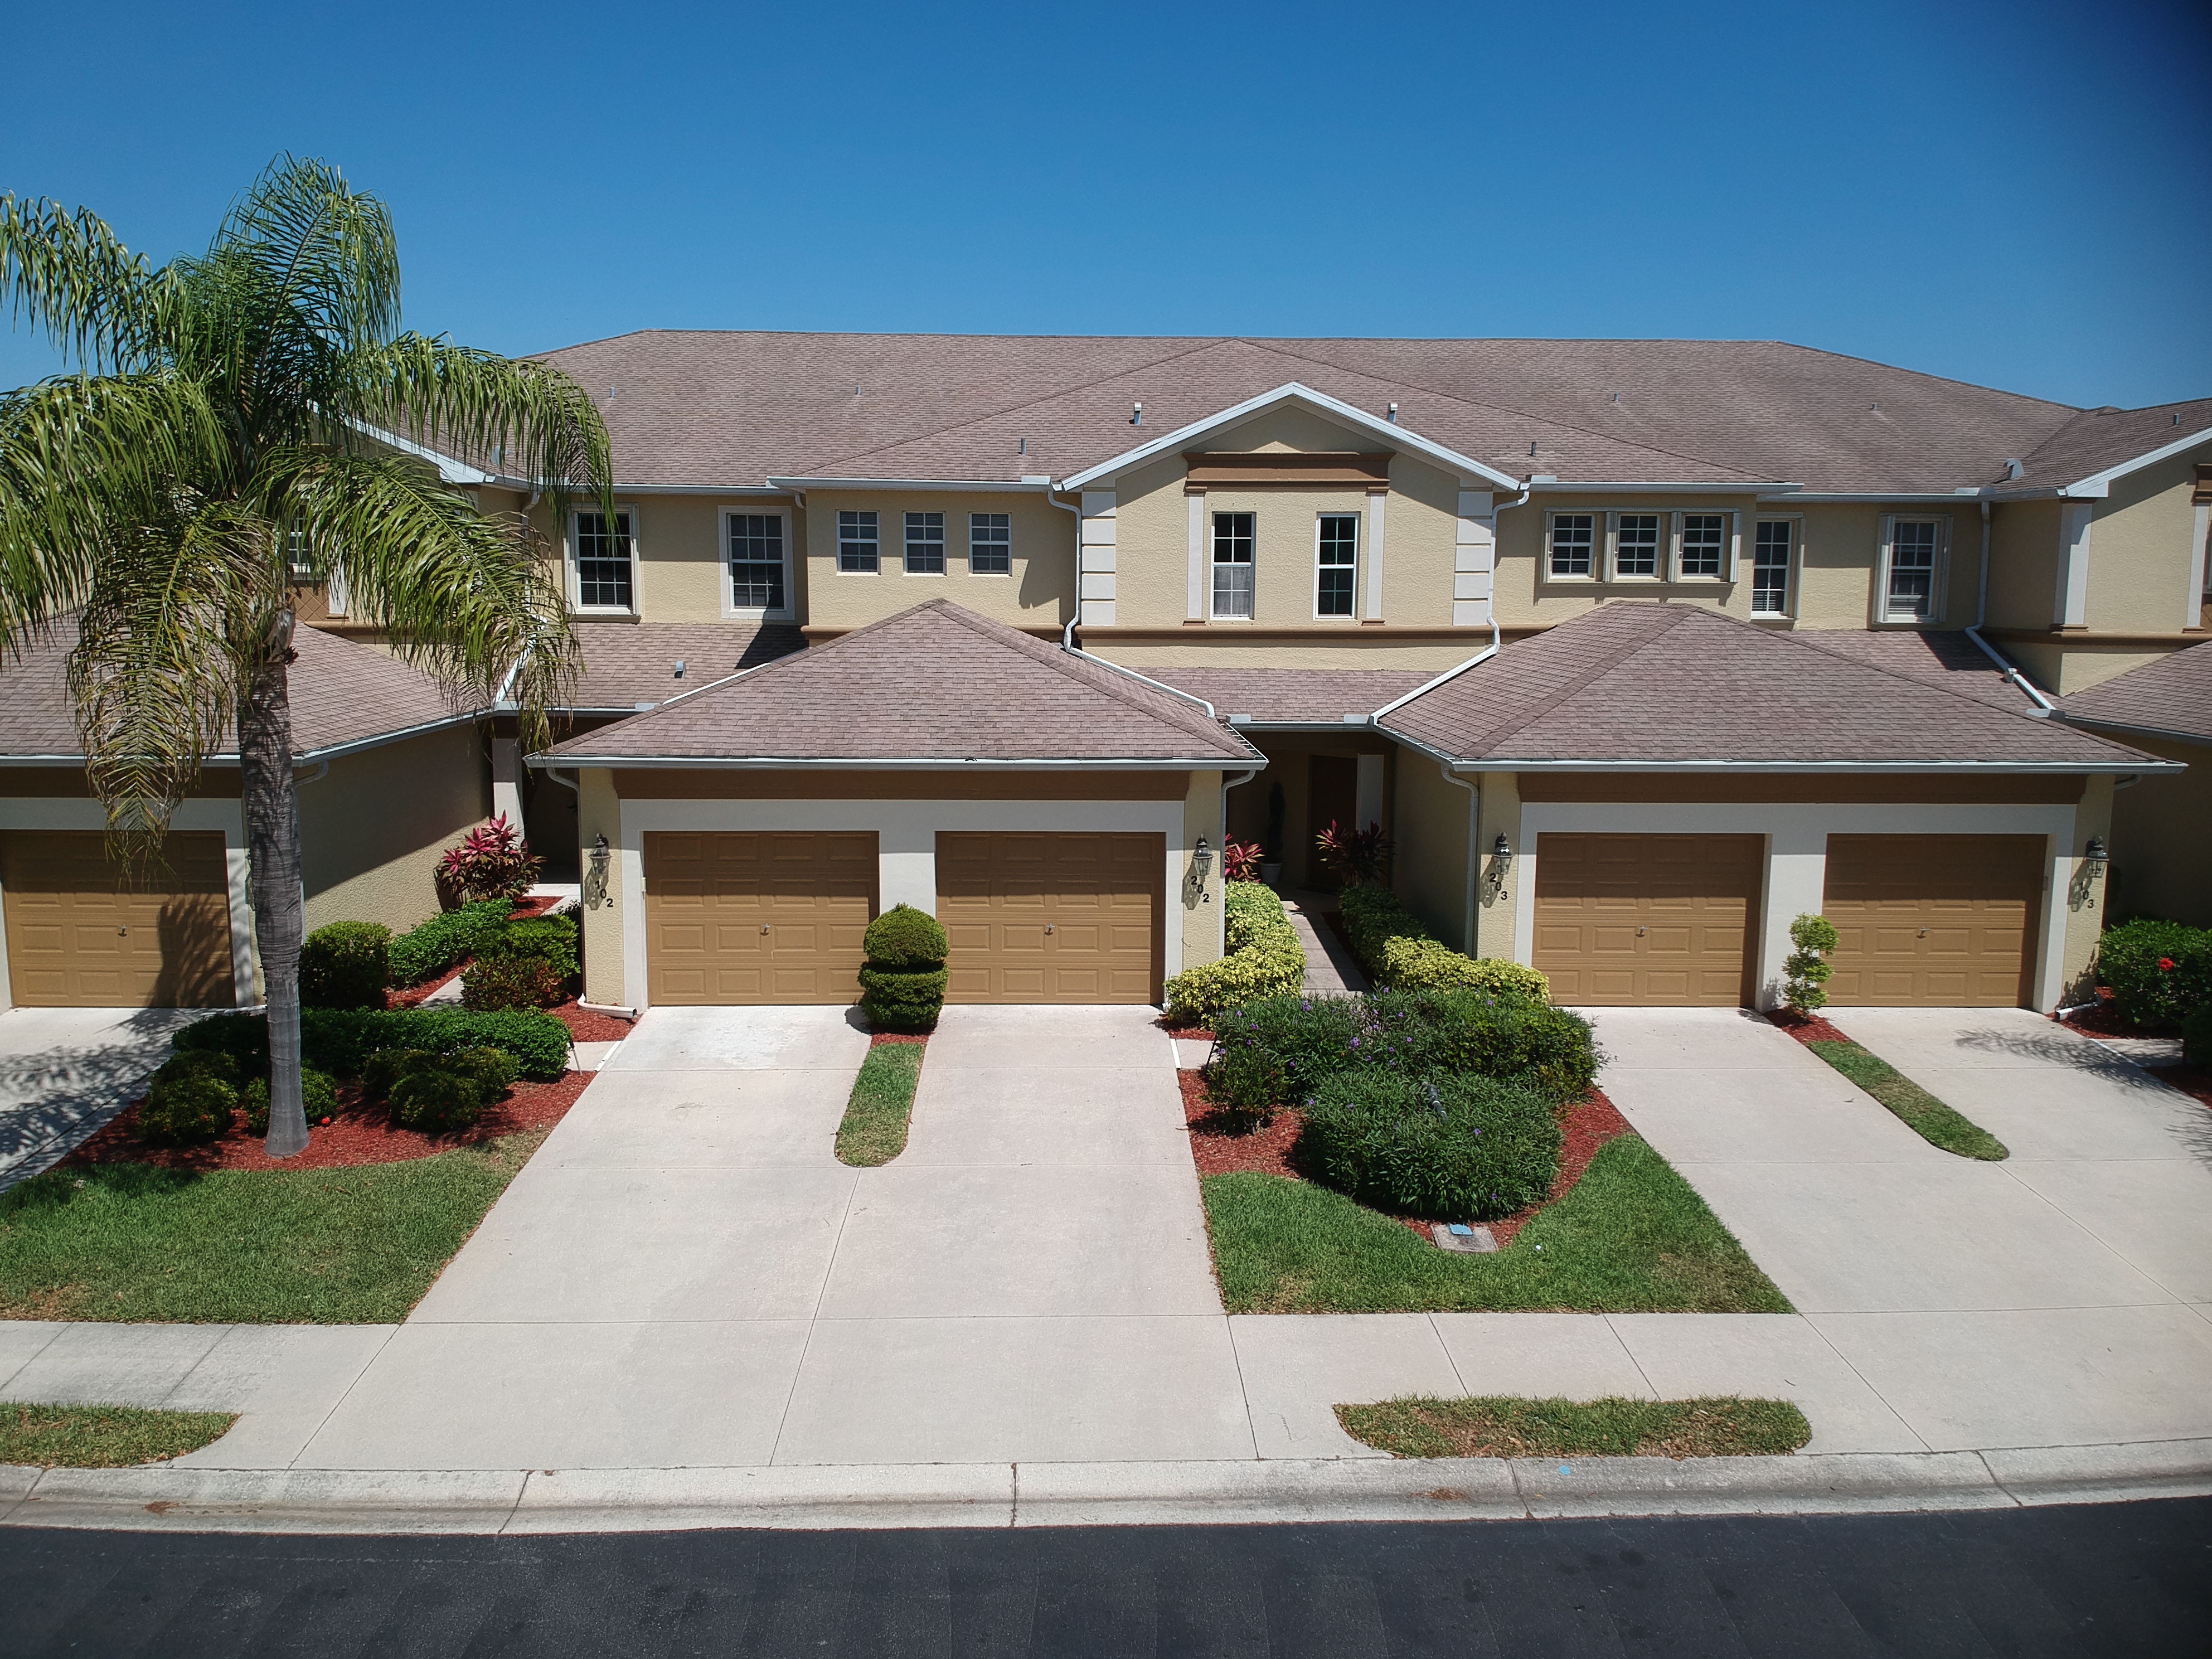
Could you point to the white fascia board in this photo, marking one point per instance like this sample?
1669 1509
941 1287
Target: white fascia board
299 757
1740 487
450 470
1917 496
908 484
893 763
1293 391
695 489
1817 768
2098 485
2170 735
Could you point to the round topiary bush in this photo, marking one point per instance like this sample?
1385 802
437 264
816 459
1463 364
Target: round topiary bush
318 1096
191 1099
1452 1148
346 964
902 983
436 1100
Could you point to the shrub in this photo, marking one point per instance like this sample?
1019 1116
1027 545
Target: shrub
345 965
503 982
189 1099
1240 860
1397 951
493 1069
1247 1082
2158 971
1806 970
1510 1039
548 940
436 1098
1263 958
2196 1037
492 861
387 1066
317 1096
1310 1037
1460 1149
338 1041
1357 858
437 944
902 981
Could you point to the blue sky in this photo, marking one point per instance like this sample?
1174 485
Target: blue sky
2009 194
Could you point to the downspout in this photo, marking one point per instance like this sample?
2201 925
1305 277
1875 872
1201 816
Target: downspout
2043 706
1473 840
1221 921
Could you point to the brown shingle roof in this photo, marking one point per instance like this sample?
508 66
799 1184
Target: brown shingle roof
1294 695
1643 683
935 683
2100 438
1944 657
629 663
2172 694
736 407
341 693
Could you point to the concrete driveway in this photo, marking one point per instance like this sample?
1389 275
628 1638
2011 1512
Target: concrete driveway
65 1071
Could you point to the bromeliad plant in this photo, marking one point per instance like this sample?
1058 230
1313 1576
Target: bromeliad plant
1240 860
227 436
492 861
1357 858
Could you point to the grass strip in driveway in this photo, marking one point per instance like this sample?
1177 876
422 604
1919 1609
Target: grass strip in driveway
882 1103
1921 1112
1631 1237
1509 1426
352 1246
102 1437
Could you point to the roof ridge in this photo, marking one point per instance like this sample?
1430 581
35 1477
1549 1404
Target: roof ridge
1664 617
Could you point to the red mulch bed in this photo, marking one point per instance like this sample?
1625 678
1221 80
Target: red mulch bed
526 910
1806 1028
1218 1148
2102 1018
358 1132
2192 1081
877 1039
585 1025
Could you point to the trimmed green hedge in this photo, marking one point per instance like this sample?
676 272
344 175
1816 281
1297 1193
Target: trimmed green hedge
902 981
337 1040
345 965
437 945
2160 971
1453 1148
1263 959
1396 951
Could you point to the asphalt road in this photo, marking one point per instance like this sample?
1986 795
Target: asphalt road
2102 1581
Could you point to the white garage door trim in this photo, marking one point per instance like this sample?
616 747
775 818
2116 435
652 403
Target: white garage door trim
906 832
225 817
1796 875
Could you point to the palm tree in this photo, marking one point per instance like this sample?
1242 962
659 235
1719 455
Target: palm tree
236 426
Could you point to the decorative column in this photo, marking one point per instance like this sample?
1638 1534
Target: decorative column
1474 568
1095 560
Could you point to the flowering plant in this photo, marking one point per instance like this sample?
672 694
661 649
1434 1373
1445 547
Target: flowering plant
1240 860
1359 858
492 861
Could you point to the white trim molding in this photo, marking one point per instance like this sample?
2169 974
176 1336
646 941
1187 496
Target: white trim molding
1474 558
1378 500
1097 536
1939 574
788 610
2070 603
2100 484
1194 602
2192 611
571 565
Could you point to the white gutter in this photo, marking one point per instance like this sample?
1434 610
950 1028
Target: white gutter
1964 493
301 757
1221 921
2099 485
1501 764
1488 651
887 763
1738 486
2043 706
1029 486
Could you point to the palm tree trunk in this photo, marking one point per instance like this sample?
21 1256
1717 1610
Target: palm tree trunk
272 840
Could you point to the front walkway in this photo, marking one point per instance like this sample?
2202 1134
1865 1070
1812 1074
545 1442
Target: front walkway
65 1071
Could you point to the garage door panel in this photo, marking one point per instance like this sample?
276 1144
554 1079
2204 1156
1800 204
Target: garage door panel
1934 920
1053 917
76 938
1629 919
745 916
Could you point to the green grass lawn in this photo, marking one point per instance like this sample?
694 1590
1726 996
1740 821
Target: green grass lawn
1935 1123
333 1246
1504 1426
874 1129
1631 1237
102 1437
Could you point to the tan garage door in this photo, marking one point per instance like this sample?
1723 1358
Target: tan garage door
1052 918
1647 920
1933 921
76 939
756 917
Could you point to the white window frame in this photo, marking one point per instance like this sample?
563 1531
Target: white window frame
1358 537
1790 564
1005 548
1214 613
838 557
906 540
622 510
1596 549
731 607
1938 576
1678 545
1661 554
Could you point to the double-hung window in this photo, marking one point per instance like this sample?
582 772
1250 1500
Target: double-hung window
857 543
1705 543
1636 544
1336 564
605 554
1232 565
1770 568
1915 554
990 544
1574 544
924 544
756 574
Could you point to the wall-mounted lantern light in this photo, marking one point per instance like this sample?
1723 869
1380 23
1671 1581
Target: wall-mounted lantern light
599 853
1201 863
1501 861
2093 855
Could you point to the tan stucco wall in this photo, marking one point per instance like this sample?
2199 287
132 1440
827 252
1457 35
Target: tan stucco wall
599 812
2023 563
1040 592
2085 896
680 575
1200 907
2162 862
371 827
1432 824
1528 594
2140 550
1496 901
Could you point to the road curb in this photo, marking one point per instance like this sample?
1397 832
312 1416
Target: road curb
167 1497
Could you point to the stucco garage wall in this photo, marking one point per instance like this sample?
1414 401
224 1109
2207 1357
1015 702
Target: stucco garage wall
371 827
2161 865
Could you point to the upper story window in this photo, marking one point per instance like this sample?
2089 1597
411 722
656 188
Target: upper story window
1232 565
1336 564
924 544
1574 544
756 566
1636 544
990 544
1911 574
857 543
299 563
1705 543
606 560
1769 568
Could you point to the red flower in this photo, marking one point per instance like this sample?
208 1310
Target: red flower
2166 962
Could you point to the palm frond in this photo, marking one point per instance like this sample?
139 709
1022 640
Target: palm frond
70 277
323 252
